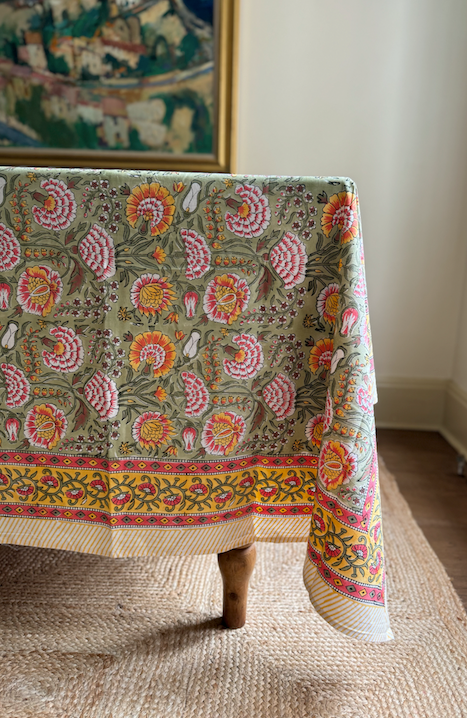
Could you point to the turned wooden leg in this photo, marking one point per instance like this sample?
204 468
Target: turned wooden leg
236 567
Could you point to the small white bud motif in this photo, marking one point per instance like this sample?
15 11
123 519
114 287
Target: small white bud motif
191 200
191 347
8 339
336 357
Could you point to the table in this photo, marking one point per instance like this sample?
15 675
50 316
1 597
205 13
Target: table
186 368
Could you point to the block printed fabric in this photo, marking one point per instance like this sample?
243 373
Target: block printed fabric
186 367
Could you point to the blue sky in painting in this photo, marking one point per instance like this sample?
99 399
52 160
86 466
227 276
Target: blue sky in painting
202 8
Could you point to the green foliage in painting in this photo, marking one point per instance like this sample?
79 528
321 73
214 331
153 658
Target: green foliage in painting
135 142
57 64
55 132
201 125
189 48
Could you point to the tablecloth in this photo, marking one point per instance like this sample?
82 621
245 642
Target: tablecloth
186 367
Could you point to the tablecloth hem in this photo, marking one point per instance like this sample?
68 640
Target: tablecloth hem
137 541
362 620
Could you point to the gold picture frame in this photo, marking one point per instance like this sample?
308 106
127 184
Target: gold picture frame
223 125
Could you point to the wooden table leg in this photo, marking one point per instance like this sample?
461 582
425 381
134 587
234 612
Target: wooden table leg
236 567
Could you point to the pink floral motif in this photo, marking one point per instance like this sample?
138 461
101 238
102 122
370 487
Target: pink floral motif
24 490
337 464
189 438
121 499
247 482
102 394
360 288
147 488
289 259
365 330
292 481
248 361
10 251
222 432
223 497
172 499
98 253
74 494
349 317
197 253
39 289
279 395
58 209
49 481
331 549
360 551
197 397
99 484
319 523
67 354
17 386
45 425
365 399
5 291
253 214
199 489
12 428
375 567
376 530
190 300
226 298
268 491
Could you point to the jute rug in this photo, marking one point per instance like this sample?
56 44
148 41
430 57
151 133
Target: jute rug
90 637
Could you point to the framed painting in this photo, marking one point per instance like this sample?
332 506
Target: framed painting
143 84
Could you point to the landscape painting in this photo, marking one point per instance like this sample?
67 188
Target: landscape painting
116 82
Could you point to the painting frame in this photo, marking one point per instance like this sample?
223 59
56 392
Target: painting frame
226 21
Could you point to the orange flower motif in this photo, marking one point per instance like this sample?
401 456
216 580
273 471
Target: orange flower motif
341 211
327 303
172 450
155 349
154 204
178 186
172 317
160 393
159 255
151 294
179 335
152 429
321 355
314 429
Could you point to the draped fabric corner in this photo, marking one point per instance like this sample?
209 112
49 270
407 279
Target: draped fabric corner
186 366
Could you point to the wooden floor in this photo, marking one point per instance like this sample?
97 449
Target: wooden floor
424 465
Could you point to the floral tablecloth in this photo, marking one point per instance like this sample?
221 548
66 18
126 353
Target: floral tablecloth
186 367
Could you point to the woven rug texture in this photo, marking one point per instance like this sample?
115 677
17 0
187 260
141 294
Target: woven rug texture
84 636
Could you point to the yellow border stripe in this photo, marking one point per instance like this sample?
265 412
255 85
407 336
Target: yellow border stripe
154 541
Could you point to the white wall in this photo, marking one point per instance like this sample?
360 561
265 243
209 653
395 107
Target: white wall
375 91
459 375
